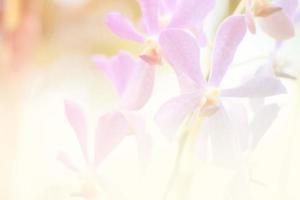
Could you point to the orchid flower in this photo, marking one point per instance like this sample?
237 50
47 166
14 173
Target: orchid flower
206 98
110 131
156 16
274 19
132 78
290 8
133 81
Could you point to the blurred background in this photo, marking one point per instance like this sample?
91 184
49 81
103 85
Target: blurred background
45 57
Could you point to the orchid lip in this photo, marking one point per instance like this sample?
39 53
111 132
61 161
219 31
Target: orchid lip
210 102
151 53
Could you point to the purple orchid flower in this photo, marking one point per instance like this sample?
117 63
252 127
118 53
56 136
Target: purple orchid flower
132 78
158 15
275 19
133 81
111 130
208 97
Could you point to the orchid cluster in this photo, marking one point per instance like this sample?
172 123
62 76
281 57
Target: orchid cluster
222 121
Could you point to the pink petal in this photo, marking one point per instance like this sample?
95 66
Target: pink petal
262 121
150 9
186 84
202 38
62 157
249 18
250 23
277 25
231 32
257 87
111 130
172 113
181 50
121 26
77 121
169 5
139 87
191 13
118 69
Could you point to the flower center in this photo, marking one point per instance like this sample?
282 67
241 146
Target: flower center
151 53
89 188
210 102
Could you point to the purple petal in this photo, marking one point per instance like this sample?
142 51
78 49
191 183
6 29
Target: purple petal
257 87
121 26
190 13
118 69
77 121
297 17
139 87
289 6
172 113
277 25
249 18
111 130
182 51
262 121
168 6
150 9
231 32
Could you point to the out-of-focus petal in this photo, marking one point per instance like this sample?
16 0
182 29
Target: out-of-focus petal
277 25
150 11
121 26
231 32
111 130
201 37
249 17
77 121
250 23
62 157
187 85
172 113
262 121
190 13
139 87
257 87
289 6
297 17
118 69
224 140
169 6
181 50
